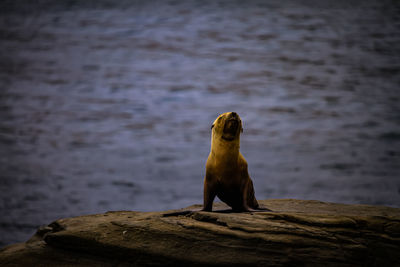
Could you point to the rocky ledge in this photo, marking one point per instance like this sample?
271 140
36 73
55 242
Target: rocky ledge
294 233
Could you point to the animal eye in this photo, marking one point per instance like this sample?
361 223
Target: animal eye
212 126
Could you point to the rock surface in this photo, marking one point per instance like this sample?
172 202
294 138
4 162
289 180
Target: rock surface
294 233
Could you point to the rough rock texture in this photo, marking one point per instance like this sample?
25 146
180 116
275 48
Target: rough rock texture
295 233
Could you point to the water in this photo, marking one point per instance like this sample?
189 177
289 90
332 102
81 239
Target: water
108 106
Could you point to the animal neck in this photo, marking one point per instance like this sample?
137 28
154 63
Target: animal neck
225 151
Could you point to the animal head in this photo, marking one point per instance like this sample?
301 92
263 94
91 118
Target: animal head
227 126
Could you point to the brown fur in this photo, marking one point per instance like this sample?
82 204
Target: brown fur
226 169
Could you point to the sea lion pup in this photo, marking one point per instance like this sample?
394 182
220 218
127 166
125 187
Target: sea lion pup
226 169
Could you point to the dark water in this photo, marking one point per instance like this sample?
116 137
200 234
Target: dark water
108 107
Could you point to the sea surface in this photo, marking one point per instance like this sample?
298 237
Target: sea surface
107 105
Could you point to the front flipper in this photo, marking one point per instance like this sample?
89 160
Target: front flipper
251 200
210 191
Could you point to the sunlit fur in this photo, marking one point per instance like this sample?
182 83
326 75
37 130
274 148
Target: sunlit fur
226 169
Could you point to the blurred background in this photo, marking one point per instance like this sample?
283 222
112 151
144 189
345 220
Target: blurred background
107 105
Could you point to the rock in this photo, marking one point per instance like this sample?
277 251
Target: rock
295 233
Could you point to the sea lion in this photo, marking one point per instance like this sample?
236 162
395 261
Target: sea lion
226 169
